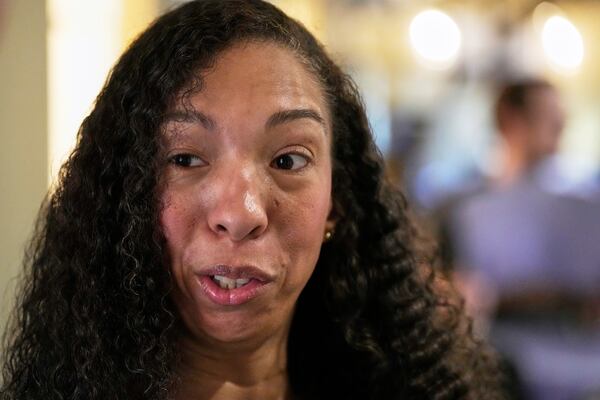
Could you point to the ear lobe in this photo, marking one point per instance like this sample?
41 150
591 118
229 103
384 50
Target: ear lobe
330 225
332 218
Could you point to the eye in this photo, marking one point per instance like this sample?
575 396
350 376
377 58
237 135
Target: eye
290 161
186 160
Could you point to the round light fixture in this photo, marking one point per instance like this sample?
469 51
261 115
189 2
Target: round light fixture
562 43
435 37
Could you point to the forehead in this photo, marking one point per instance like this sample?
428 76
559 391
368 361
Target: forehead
259 76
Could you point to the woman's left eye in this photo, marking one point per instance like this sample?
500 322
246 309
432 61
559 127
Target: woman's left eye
290 161
186 160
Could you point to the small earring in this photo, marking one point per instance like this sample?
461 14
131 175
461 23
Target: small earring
328 236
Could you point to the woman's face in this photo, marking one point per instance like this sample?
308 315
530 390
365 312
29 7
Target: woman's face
247 193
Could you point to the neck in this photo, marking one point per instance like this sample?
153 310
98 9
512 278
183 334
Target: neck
214 371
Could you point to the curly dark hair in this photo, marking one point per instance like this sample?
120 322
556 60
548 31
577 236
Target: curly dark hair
94 318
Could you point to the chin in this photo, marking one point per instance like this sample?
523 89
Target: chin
233 328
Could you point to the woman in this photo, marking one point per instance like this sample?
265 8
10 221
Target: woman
223 230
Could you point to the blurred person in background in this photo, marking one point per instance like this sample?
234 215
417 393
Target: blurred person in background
529 118
527 258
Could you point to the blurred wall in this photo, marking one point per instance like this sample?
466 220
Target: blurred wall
23 132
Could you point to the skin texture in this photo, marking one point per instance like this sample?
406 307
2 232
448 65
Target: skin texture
244 189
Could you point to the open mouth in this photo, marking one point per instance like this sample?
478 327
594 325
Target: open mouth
227 283
231 291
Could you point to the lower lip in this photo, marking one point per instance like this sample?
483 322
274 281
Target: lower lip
230 297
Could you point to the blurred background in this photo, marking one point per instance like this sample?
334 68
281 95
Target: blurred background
430 72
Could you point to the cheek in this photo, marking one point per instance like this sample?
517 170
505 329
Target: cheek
177 223
179 216
306 213
304 223
172 221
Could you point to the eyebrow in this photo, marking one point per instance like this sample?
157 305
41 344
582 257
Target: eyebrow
279 118
192 116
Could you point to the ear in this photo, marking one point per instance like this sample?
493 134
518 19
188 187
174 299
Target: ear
330 225
332 218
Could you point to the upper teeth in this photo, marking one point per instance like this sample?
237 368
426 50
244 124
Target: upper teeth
227 283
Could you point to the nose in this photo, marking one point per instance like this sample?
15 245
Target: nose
238 211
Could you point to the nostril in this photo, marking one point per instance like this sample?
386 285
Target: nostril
255 232
221 228
237 222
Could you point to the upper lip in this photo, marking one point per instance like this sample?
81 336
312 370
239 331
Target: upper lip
237 272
